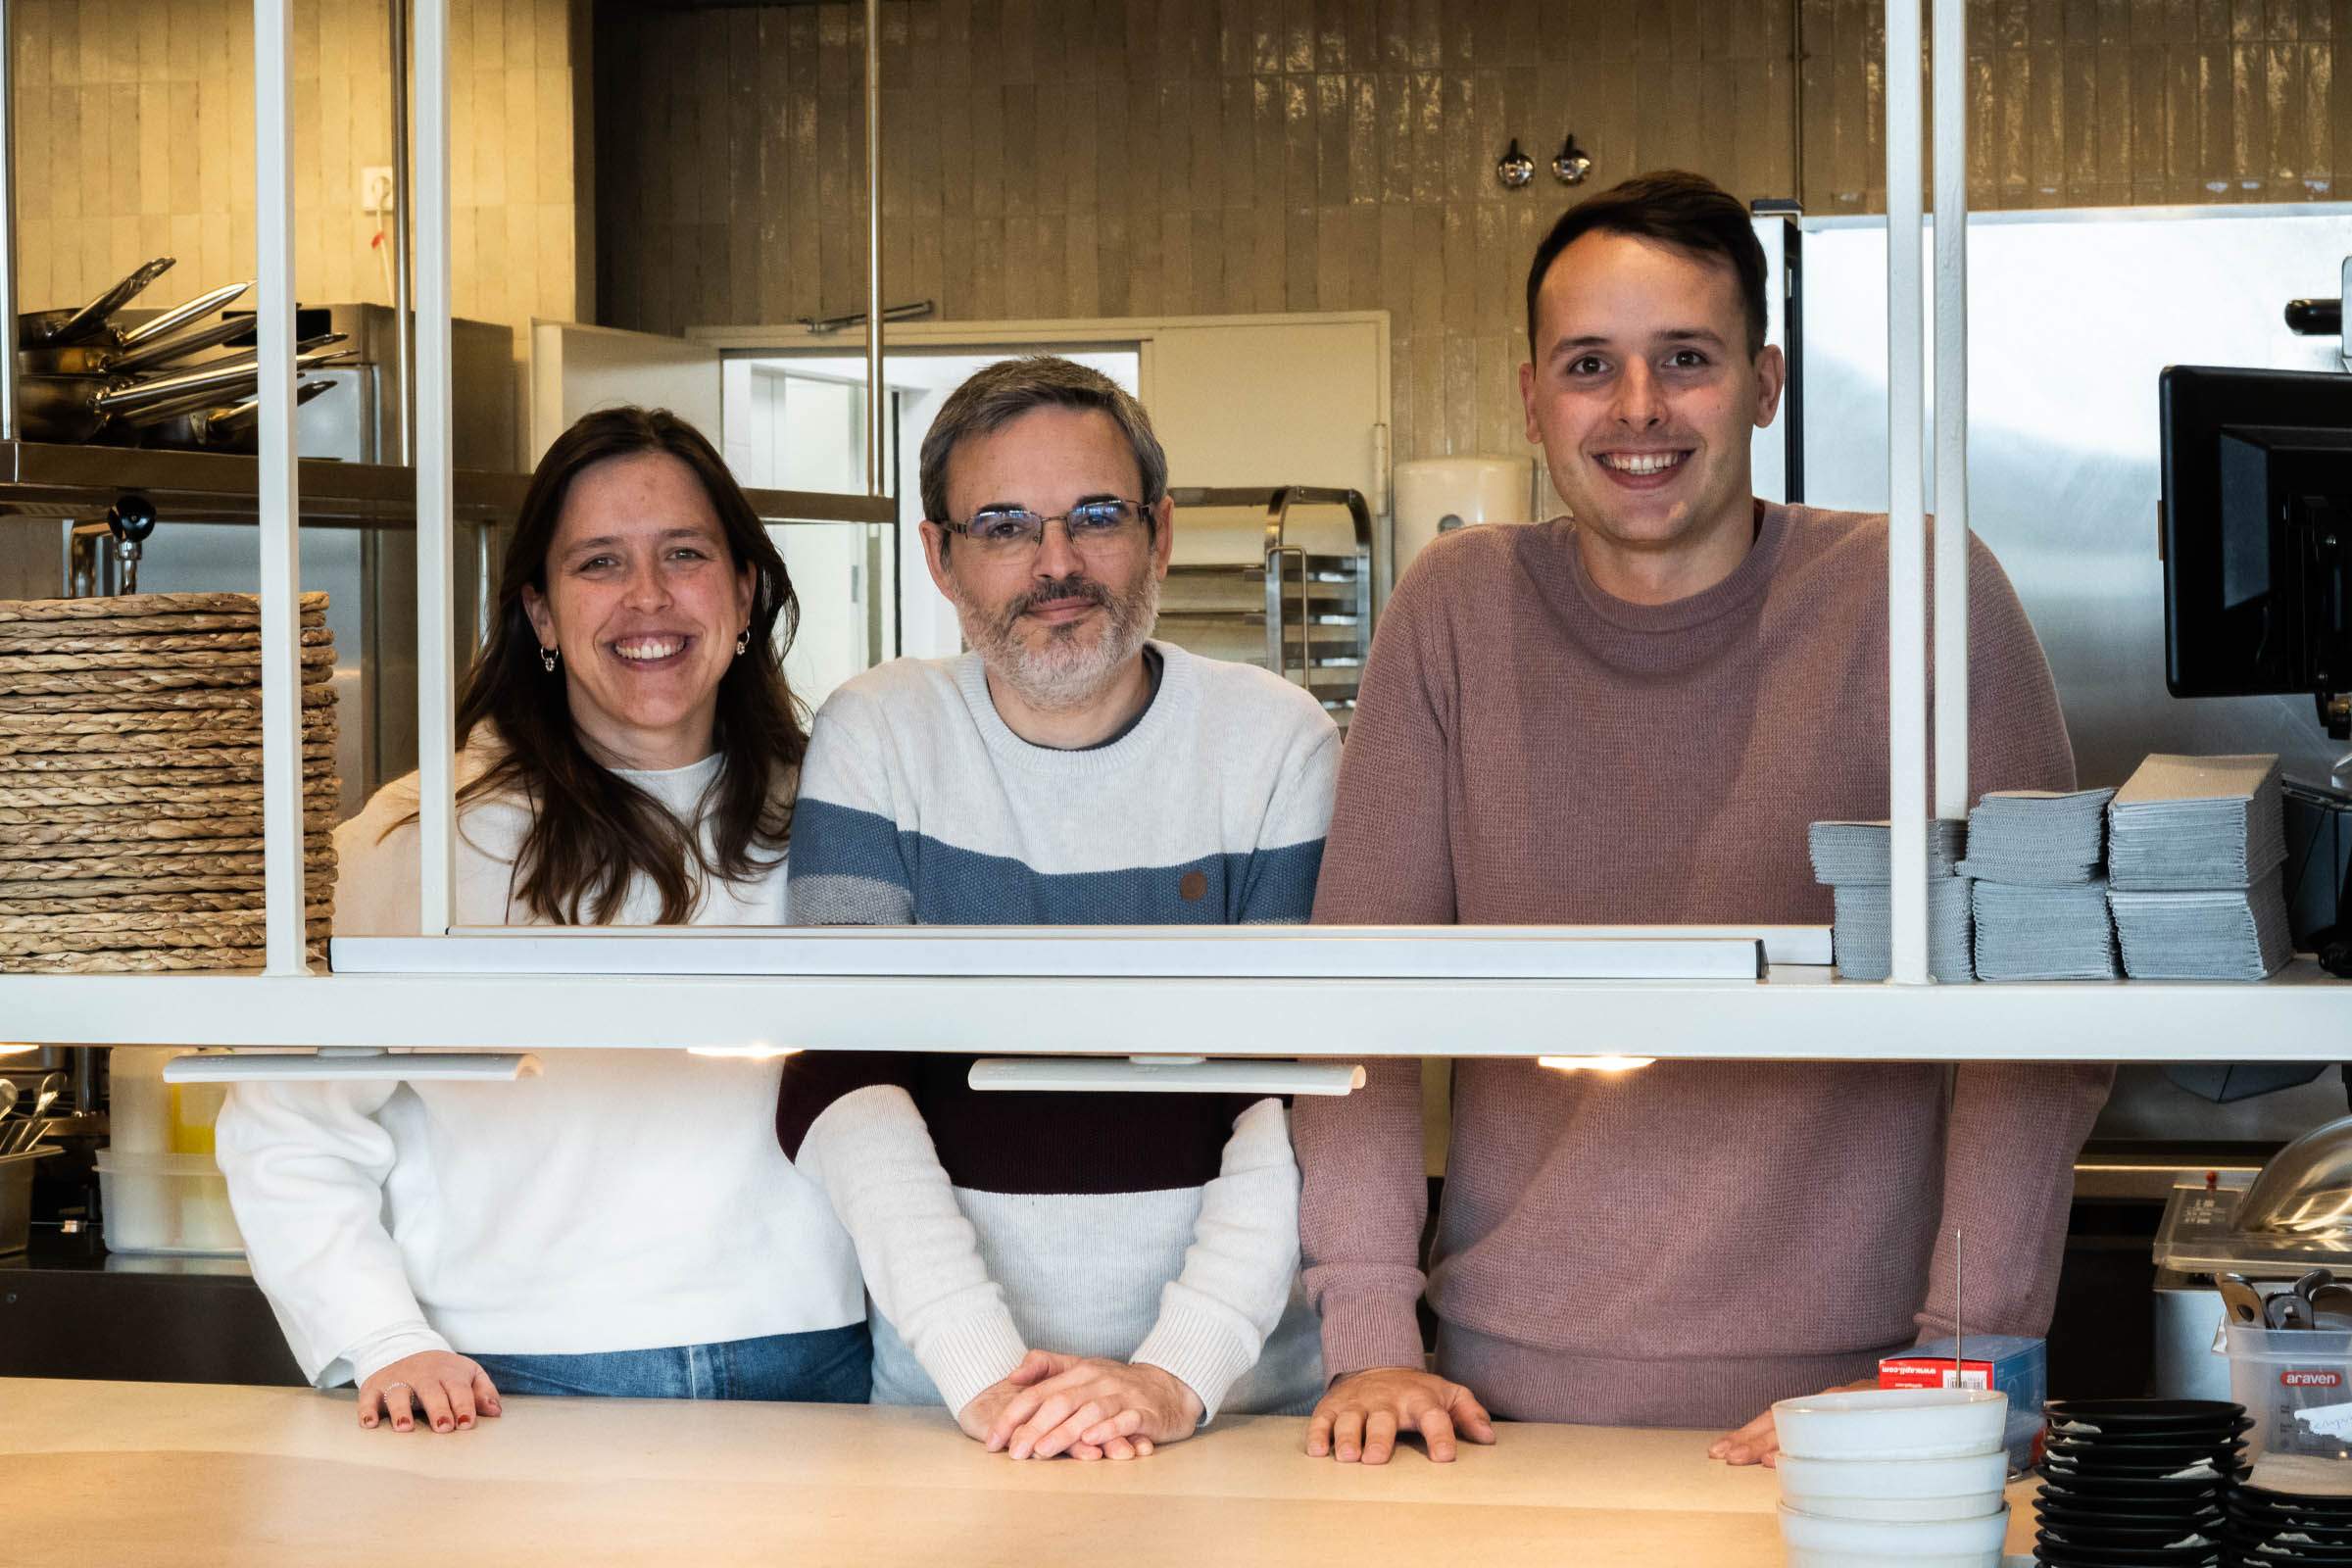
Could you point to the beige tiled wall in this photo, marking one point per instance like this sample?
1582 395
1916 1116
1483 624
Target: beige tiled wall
134 138
1078 158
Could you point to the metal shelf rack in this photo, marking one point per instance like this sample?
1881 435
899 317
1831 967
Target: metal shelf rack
1306 616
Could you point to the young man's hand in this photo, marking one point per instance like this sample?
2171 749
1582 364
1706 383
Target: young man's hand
1360 1414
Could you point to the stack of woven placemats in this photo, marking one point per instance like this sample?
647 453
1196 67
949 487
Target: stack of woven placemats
130 782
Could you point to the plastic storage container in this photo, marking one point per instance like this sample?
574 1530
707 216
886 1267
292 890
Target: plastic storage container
170 1204
2297 1386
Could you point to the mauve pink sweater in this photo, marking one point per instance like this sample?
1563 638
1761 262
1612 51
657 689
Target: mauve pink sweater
1681 1244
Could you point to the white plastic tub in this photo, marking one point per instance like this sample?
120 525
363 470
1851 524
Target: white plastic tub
2297 1386
166 1204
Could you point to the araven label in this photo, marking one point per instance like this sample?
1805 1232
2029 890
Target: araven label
2311 1380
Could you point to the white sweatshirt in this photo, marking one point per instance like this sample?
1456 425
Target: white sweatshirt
626 1199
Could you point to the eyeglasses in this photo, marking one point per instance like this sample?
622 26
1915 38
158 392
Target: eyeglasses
1094 527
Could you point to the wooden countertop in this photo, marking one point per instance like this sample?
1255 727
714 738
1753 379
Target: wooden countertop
119 1473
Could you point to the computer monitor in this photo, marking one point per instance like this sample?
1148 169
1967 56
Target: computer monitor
2257 531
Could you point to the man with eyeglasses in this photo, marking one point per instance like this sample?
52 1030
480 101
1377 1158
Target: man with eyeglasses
1069 1273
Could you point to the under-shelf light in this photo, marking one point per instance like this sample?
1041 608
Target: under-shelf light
349 1065
16 1051
1603 1064
1198 1075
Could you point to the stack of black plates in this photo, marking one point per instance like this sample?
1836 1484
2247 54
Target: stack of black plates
2138 1482
2267 1526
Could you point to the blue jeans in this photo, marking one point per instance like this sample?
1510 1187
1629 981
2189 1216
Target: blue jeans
825 1366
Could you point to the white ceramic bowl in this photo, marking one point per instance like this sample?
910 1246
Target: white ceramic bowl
1888 1541
1849 1560
1972 1475
1880 1424
1905 1511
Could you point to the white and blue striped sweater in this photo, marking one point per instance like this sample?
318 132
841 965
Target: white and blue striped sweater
1159 1228
918 806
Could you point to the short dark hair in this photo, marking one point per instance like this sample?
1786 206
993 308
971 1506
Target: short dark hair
997 394
1689 212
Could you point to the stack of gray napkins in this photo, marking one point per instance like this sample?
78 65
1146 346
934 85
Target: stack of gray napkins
2034 858
1853 859
2195 849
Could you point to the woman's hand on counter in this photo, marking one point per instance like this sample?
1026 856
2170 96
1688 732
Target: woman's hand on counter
1759 1442
452 1390
1123 1409
1360 1414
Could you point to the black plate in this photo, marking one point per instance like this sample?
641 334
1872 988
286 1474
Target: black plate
2130 1489
2141 1454
2143 1413
2204 1524
2064 1554
2160 1437
2290 1503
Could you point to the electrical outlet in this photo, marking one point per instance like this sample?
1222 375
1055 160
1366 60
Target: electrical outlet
375 188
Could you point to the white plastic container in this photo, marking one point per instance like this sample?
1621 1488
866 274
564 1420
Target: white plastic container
2297 1386
1964 1543
1881 1424
166 1204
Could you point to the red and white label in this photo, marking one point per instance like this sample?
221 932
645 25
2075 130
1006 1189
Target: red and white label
2311 1380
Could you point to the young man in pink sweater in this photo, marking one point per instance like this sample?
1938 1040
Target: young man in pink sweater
1629 715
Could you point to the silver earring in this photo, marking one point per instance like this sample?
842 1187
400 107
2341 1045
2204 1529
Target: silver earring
547 659
743 644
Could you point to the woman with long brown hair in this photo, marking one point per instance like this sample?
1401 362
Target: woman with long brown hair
623 1224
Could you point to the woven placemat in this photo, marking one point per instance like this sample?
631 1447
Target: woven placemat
316 883
141 682
54 934
221 661
221 699
150 626
118 919
203 747
151 769
39 792
143 606
136 814
318 849
183 857
316 895
192 642
127 837
60 933
150 961
100 732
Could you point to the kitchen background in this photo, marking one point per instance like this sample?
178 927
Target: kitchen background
660 165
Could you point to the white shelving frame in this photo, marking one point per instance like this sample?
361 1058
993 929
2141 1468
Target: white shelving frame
1082 991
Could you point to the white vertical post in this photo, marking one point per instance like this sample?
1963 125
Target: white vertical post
1950 116
436 489
1906 511
876 482
277 477
9 430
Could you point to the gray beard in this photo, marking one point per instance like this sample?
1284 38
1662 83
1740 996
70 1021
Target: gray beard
1065 673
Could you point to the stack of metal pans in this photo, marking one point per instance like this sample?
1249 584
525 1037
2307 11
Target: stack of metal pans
130 782
81 376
